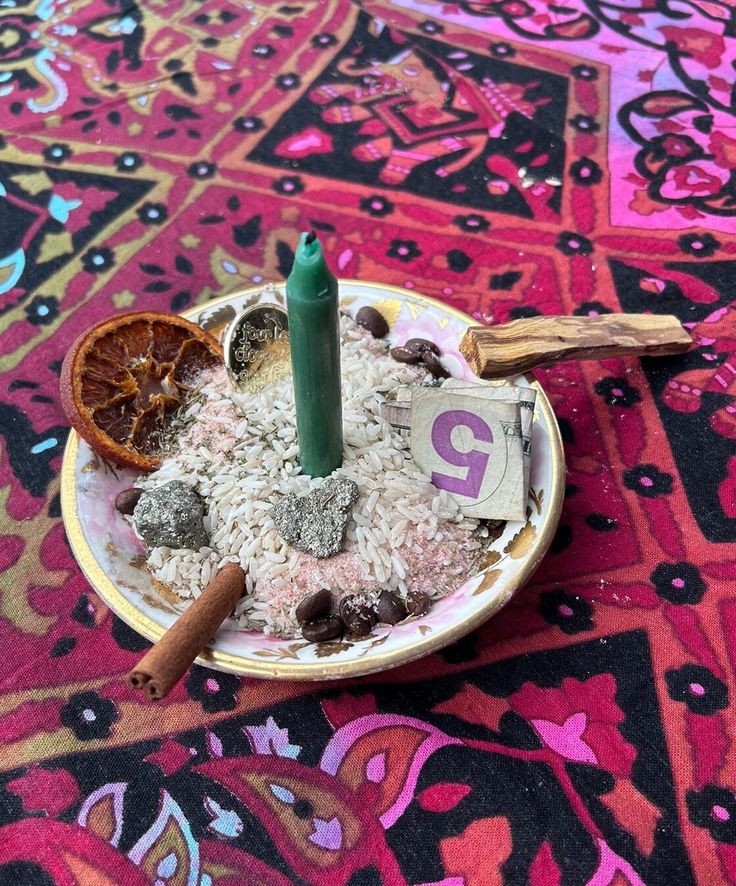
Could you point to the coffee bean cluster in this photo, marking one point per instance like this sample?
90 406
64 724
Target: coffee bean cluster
421 350
319 621
416 350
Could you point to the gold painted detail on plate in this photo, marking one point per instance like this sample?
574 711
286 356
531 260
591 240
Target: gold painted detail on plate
489 558
289 653
324 650
487 582
537 498
521 543
390 308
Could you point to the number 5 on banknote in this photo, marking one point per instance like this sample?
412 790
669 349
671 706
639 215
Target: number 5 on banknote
475 460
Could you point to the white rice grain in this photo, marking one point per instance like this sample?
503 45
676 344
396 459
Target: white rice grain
240 453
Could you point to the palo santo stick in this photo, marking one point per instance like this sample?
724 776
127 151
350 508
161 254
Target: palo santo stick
163 664
512 348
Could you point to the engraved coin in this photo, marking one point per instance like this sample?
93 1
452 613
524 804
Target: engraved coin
256 347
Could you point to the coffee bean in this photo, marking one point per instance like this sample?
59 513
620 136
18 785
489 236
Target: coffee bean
361 623
372 320
314 607
434 364
325 629
126 500
404 355
421 345
418 603
347 606
391 608
359 619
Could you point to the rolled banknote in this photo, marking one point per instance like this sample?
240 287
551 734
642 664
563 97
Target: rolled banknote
397 411
472 447
525 397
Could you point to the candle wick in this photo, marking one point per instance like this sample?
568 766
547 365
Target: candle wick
310 238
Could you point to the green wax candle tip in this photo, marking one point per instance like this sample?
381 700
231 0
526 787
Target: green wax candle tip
314 336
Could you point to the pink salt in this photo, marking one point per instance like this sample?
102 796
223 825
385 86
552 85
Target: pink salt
346 573
215 421
426 559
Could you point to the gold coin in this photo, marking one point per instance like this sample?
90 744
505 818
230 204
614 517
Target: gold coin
256 347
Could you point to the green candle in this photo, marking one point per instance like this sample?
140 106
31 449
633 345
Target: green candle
314 337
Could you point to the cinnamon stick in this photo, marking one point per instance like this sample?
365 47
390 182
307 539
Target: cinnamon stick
512 348
163 665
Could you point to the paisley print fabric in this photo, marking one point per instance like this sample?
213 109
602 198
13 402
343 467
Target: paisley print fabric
510 157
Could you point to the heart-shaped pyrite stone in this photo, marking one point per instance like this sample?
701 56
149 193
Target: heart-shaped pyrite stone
316 523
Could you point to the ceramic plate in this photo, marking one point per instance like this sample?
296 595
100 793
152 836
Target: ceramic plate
111 557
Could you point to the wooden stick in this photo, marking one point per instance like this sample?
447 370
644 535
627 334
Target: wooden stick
164 664
512 348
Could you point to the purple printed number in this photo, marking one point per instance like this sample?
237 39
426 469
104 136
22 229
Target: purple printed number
475 460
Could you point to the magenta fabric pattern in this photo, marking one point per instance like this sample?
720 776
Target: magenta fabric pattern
511 158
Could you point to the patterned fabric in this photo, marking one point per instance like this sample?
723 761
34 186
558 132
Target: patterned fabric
510 157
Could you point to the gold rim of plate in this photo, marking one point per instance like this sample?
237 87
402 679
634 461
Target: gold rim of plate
419 647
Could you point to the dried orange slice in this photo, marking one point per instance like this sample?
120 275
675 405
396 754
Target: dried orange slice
122 380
